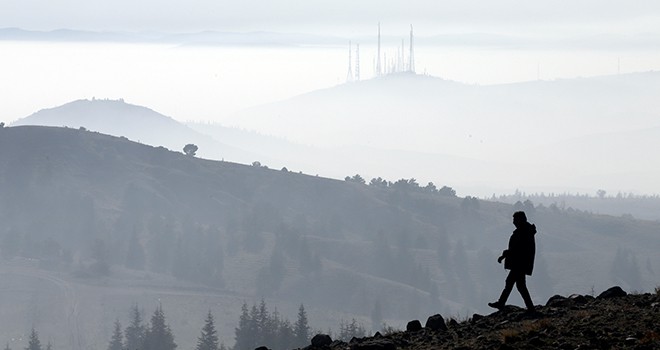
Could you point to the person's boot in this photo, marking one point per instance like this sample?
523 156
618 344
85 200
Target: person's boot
497 305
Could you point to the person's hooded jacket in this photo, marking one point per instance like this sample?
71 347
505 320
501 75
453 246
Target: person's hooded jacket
522 248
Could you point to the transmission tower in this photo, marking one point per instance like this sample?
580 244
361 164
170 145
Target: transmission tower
357 62
411 68
349 75
378 67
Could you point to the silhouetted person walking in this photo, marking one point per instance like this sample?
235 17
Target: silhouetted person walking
519 259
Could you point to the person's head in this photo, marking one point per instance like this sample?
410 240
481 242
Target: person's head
519 218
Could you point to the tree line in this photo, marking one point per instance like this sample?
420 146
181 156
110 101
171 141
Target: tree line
403 184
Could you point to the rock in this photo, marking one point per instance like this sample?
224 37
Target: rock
375 344
453 323
436 323
262 348
477 317
378 335
631 340
321 340
614 292
414 326
578 299
557 301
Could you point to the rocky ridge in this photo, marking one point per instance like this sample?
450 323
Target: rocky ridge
612 320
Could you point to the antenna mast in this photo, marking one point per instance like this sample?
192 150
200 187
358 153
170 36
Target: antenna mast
357 62
412 52
349 75
378 67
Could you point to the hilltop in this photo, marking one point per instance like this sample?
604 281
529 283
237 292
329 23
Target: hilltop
137 123
613 320
594 132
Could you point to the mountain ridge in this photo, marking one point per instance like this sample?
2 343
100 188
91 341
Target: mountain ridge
138 123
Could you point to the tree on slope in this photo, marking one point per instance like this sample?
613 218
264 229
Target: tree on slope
117 340
245 332
301 327
208 340
190 149
135 332
159 335
34 343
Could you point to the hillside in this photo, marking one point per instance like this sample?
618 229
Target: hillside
91 223
609 321
519 128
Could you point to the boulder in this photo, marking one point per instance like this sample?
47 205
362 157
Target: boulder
614 292
321 340
436 323
414 326
578 299
557 301
262 348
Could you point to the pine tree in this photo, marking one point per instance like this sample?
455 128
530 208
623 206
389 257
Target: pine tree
7 347
116 342
349 330
245 331
301 327
135 332
159 335
34 343
264 330
286 339
49 346
208 340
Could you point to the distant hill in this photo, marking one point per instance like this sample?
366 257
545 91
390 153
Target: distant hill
137 123
91 223
520 124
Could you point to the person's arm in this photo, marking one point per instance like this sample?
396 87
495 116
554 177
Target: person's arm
503 256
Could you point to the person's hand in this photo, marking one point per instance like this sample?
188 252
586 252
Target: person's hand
499 260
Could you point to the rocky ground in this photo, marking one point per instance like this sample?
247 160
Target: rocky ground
612 320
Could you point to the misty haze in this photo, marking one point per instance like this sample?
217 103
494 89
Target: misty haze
195 180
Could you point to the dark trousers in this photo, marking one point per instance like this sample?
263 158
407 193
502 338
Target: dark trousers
517 278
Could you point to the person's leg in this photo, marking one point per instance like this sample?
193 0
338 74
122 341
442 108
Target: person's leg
521 284
508 287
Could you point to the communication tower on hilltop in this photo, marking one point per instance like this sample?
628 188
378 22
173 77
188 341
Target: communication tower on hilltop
349 75
411 67
397 63
378 67
357 62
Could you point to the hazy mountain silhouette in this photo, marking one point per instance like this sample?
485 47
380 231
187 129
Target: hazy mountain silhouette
91 223
496 123
137 123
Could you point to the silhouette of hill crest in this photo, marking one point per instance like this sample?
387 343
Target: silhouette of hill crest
613 319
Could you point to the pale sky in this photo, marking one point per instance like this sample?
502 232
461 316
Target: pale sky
342 16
